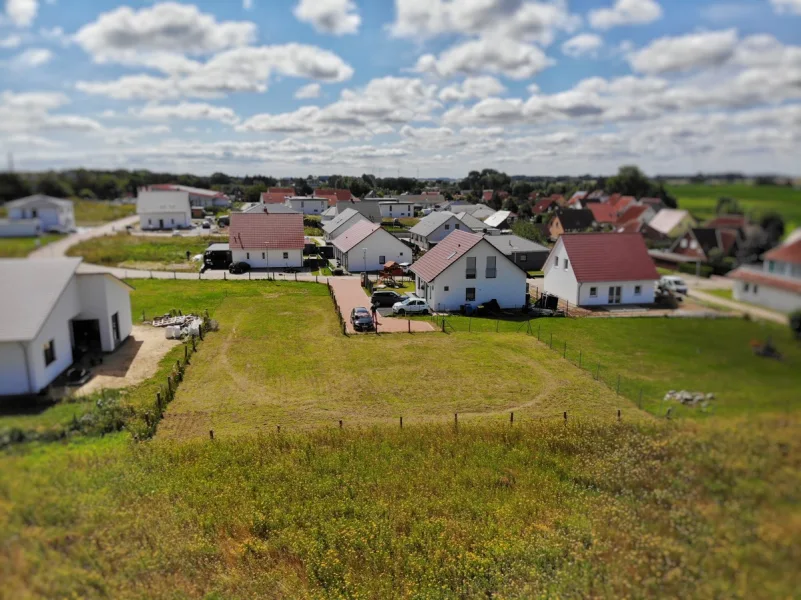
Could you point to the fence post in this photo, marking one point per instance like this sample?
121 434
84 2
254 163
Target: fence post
340 423
225 275
564 354
443 324
618 414
512 418
401 422
186 353
151 274
194 347
409 324
565 416
211 434
456 421
669 412
175 275
279 428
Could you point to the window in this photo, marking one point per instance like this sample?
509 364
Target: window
447 288
683 243
286 255
567 264
772 266
471 268
263 256
50 352
115 326
746 287
34 213
382 260
556 261
247 254
456 226
470 295
637 290
447 227
694 245
756 288
492 271
401 253
522 257
593 292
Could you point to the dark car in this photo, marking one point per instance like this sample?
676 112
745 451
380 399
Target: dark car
361 319
238 268
224 221
206 226
385 298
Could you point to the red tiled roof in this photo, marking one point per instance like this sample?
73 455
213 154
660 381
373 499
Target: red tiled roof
766 279
487 195
444 254
630 227
632 213
603 213
623 203
262 230
276 195
727 222
614 198
542 205
728 239
337 195
790 253
355 234
609 257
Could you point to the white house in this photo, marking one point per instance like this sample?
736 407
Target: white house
307 205
197 196
267 240
777 284
329 214
367 246
341 223
50 308
37 214
164 209
435 227
394 209
465 268
594 269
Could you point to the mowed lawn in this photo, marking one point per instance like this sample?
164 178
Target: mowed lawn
279 359
144 252
701 200
89 213
21 247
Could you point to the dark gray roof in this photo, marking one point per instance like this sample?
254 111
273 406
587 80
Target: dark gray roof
430 223
370 210
339 220
509 244
576 219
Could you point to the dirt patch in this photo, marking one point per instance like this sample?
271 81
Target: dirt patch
158 266
136 360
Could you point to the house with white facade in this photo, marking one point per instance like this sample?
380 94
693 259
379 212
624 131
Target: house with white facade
51 311
341 223
434 228
396 209
329 214
198 197
37 214
367 246
776 284
164 209
267 240
464 268
307 205
597 269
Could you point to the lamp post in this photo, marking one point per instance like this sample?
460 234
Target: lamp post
364 253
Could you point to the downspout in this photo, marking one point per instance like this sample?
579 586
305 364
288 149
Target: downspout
578 298
27 367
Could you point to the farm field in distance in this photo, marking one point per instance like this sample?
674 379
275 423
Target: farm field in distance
157 253
701 200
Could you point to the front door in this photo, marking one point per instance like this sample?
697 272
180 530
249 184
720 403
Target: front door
614 294
161 223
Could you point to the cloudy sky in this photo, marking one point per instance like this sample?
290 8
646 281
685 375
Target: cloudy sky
435 87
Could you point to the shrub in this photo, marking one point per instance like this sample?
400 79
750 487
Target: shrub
795 323
690 268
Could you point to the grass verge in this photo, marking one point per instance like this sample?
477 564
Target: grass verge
21 247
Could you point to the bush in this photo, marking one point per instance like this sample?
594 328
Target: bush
795 323
690 268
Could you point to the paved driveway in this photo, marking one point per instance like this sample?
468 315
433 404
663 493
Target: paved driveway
349 294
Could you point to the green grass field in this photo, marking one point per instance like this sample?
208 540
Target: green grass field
144 252
21 247
96 212
701 200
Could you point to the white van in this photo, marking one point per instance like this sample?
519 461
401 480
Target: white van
674 283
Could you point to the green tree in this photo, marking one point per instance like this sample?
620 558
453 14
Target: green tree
728 206
253 193
87 194
13 187
527 230
795 324
52 185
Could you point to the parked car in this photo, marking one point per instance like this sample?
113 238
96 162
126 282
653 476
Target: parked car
674 284
238 268
176 233
206 225
411 306
361 319
386 298
224 221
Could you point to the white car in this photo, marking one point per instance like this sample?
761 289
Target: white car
176 233
410 306
673 283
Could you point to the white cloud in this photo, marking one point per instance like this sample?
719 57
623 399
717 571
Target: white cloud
124 33
685 53
787 6
585 44
22 12
488 111
472 87
308 91
626 12
247 4
31 112
12 41
187 111
32 58
503 56
337 17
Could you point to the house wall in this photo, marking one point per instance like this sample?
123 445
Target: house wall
171 220
679 230
646 296
101 297
687 245
559 281
440 233
508 288
269 258
13 376
308 207
555 228
397 211
769 297
51 218
380 243
20 228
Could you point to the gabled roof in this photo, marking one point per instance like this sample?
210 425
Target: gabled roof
471 222
790 253
370 210
608 257
272 231
39 200
632 213
356 234
623 202
498 218
470 209
31 288
273 209
430 223
335 195
341 219
602 213
728 222
652 202
542 205
185 188
707 239
276 195
508 244
577 197
766 279
331 211
667 219
162 201
576 219
444 254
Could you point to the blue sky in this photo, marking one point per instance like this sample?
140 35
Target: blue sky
296 87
